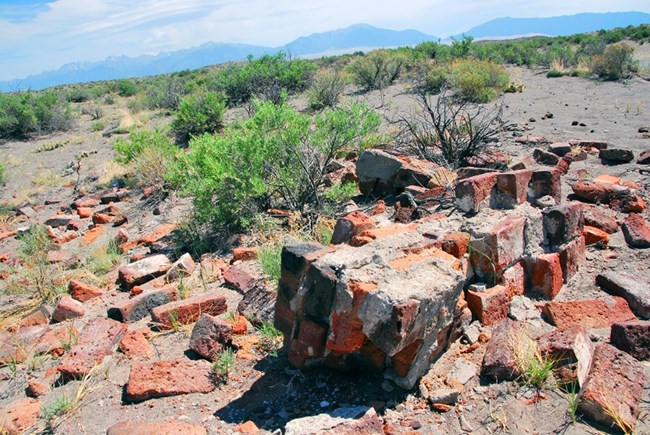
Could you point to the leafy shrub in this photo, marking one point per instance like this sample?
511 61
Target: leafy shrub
264 78
430 78
78 95
126 88
554 74
277 155
165 93
377 70
197 114
325 90
341 193
477 80
27 113
617 62
98 126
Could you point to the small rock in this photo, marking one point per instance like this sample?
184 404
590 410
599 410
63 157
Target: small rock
67 308
616 155
634 291
633 338
209 336
644 158
636 231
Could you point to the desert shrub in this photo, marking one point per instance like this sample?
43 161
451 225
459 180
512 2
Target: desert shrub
166 93
617 62
263 78
325 90
554 74
429 78
137 103
446 130
278 157
95 111
197 114
4 174
27 113
478 81
342 193
376 70
78 95
97 126
126 88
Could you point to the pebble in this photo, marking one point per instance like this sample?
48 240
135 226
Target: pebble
324 404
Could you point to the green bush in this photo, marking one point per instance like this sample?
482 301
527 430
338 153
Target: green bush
26 113
126 88
617 62
78 95
276 158
197 114
326 90
377 70
554 74
4 174
98 126
478 81
165 93
430 78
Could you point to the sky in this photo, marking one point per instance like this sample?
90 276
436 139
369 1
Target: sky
39 35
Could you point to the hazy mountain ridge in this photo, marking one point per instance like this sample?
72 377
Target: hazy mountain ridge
350 38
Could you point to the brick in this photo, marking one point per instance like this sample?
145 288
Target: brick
86 201
135 345
490 306
96 341
83 292
84 212
562 224
346 333
644 158
244 254
594 235
630 288
350 226
501 246
572 350
188 310
139 272
403 360
152 427
588 143
456 243
632 337
320 284
546 276
593 192
636 232
40 316
545 182
209 336
182 267
572 256
67 308
158 233
615 383
168 378
588 313
514 279
239 279
295 259
140 306
545 158
19 416
511 189
309 344
499 361
560 149
35 340
92 235
102 218
472 192
59 220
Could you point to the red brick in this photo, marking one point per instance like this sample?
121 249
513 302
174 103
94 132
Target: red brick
134 344
512 188
310 343
82 291
350 226
456 243
503 246
92 235
84 212
210 335
67 308
588 313
562 223
500 361
546 275
636 231
594 235
168 378
188 310
158 428
139 307
247 427
244 254
182 267
632 337
158 233
514 279
19 416
102 218
545 182
572 256
239 279
346 334
403 359
571 350
139 272
472 192
613 388
489 306
591 191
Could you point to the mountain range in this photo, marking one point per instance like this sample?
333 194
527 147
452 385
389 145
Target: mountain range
355 37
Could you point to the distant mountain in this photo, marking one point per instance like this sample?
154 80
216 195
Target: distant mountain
359 35
557 26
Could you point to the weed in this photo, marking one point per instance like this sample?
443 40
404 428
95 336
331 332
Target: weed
224 362
98 126
269 258
173 321
50 146
183 290
536 369
64 406
342 193
271 337
104 258
231 316
572 398
617 418
69 340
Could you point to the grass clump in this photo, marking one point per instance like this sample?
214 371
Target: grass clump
536 369
271 337
342 193
63 406
224 362
269 258
98 126
104 259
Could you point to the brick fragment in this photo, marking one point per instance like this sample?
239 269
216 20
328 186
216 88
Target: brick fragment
188 310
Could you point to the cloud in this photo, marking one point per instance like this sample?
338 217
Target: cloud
37 34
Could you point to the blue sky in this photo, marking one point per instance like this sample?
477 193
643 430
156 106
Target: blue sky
38 35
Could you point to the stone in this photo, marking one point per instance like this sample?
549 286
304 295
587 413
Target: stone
472 192
588 313
341 421
545 158
239 279
630 288
140 306
19 416
96 341
446 396
636 232
511 189
183 267
632 337
644 158
83 292
462 371
59 220
490 306
560 149
588 144
616 155
40 316
546 276
350 226
247 427
210 336
571 350
244 254
614 385
144 270
188 310
499 361
545 182
496 246
135 345
380 173
595 235
158 428
562 224
67 308
168 378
